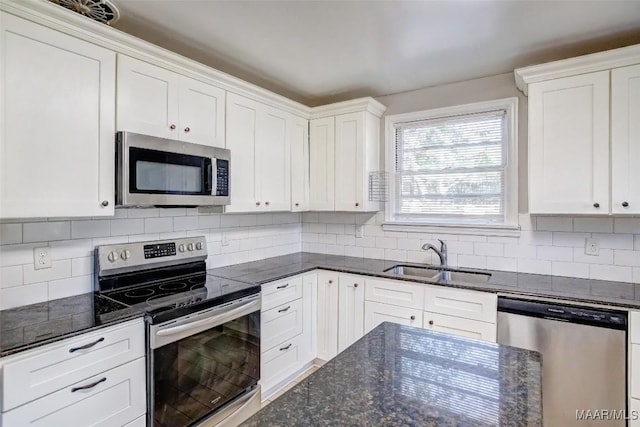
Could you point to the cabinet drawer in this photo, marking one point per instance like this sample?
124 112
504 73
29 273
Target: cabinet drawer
280 362
394 292
459 326
119 398
280 292
281 323
461 303
634 407
634 326
56 366
376 313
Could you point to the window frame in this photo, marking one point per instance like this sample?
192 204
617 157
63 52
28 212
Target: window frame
510 227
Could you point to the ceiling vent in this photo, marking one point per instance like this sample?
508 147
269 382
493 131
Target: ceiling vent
103 11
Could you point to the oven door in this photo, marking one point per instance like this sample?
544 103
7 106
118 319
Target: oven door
204 362
162 172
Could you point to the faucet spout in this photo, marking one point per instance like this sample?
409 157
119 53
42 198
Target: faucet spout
442 252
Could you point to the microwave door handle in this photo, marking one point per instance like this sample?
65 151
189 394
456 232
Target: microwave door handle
212 185
213 321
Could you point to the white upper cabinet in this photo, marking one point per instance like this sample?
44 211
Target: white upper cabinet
569 145
299 164
155 101
321 164
344 151
625 140
584 133
57 121
258 137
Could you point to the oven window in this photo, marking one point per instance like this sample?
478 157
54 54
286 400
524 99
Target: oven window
160 172
196 375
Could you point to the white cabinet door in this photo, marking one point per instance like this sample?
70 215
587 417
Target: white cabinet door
147 99
299 164
273 173
201 111
376 313
321 165
569 145
625 140
242 118
327 314
350 309
349 162
459 326
57 116
309 342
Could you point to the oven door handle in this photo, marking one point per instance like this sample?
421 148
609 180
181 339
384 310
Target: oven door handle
212 321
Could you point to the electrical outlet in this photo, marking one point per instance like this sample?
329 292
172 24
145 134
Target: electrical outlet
359 231
42 257
591 246
225 241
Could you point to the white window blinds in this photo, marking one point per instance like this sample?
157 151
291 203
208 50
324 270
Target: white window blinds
452 169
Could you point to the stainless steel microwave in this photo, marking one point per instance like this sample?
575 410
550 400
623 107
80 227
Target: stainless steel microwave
153 171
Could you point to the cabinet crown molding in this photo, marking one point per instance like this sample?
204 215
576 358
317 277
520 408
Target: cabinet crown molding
352 106
599 61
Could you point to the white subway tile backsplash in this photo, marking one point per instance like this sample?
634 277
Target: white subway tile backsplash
88 229
546 223
626 225
123 227
366 242
472 261
335 228
614 241
68 249
23 295
143 213
342 239
16 254
536 238
373 253
395 255
329 239
534 266
354 251
386 242
554 253
82 266
409 244
183 223
70 286
373 230
46 231
11 276
317 228
10 234
597 225
573 240
310 237
158 225
502 263
488 249
627 258
611 272
59 270
173 212
605 256
521 251
570 269
456 247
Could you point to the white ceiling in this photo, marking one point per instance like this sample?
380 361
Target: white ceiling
323 51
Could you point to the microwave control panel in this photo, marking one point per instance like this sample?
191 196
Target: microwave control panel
222 177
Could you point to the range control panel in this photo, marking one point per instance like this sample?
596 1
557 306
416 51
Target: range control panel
112 259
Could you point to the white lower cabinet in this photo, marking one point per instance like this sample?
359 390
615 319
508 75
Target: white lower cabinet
328 296
350 309
633 368
95 379
288 329
459 326
376 313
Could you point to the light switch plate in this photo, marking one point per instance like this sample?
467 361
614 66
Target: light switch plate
42 257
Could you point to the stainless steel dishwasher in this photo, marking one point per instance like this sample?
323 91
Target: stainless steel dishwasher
584 356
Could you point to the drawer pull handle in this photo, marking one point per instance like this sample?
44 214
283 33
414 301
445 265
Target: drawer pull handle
88 386
285 348
86 346
282 286
431 322
282 310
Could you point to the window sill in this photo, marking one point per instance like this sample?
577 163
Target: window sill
477 230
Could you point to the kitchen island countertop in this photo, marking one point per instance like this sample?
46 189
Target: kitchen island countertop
404 376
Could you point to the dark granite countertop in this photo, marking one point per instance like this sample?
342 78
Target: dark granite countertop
30 326
602 292
405 376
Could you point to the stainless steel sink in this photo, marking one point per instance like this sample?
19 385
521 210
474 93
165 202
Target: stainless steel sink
411 270
439 273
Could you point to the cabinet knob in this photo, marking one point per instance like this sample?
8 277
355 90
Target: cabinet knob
266 203
413 317
257 203
186 130
431 322
172 127
105 203
330 281
355 285
297 204
596 205
625 204
357 204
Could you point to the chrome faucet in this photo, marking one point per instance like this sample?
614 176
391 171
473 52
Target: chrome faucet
442 253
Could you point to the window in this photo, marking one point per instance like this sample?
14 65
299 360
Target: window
454 167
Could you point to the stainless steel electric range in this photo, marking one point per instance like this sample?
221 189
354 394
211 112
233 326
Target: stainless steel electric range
203 335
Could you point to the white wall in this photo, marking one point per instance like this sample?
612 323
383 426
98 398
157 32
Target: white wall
547 245
251 237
